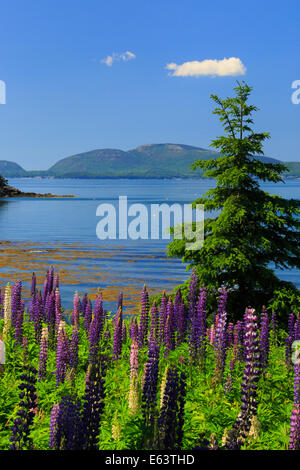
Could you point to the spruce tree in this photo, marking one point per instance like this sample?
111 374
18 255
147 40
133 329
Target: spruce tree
248 232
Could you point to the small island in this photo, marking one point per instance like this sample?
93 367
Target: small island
9 191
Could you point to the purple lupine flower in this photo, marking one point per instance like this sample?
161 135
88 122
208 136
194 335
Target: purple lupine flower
149 395
65 425
229 335
76 310
274 324
117 342
144 318
93 405
20 439
56 282
54 426
171 419
84 303
58 313
242 425
198 329
74 349
294 443
134 329
163 316
177 304
43 354
193 295
297 328
50 314
62 354
37 316
154 325
88 314
289 340
19 322
170 328
264 339
124 333
15 301
181 323
96 328
220 337
133 397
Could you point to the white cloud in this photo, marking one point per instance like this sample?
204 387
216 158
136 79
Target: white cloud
117 56
221 68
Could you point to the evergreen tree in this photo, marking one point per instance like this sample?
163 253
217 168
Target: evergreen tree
3 181
248 232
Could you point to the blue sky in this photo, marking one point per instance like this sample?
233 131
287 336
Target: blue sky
63 99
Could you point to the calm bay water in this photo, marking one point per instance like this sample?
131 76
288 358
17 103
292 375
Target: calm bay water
65 229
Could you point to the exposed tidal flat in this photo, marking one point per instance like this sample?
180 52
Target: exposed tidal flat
37 233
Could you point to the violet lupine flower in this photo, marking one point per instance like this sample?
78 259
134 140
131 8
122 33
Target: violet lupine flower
170 328
220 337
62 354
181 323
171 419
134 329
66 425
88 314
198 329
37 316
149 395
84 304
274 324
133 397
177 304
297 328
19 323
264 339
163 316
74 349
20 439
54 426
50 314
144 318
33 285
294 443
56 282
15 301
93 405
75 311
124 333
58 313
117 342
43 354
229 335
289 340
154 325
193 295
96 328
251 375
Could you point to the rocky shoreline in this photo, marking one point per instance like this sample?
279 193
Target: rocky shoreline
9 191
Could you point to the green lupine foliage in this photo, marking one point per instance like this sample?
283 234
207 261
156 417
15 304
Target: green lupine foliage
247 230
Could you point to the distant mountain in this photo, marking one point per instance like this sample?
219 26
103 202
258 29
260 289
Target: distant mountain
11 169
146 161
